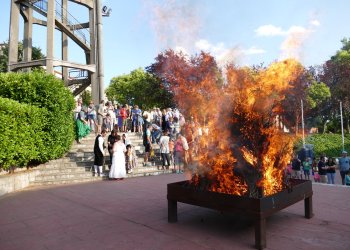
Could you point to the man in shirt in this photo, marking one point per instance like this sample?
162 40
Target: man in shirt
99 153
343 166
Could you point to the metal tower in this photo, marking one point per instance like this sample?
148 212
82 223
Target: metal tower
87 35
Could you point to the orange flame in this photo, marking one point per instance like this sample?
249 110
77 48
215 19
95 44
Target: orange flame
245 150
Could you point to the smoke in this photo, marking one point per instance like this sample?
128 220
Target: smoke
296 36
176 24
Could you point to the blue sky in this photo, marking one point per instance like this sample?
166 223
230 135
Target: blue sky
246 32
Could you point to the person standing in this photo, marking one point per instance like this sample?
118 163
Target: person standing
123 115
147 142
306 168
330 170
118 170
296 167
110 142
100 115
181 148
344 166
99 153
164 149
91 115
82 128
322 169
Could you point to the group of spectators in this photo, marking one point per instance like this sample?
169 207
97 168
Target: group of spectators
178 140
323 169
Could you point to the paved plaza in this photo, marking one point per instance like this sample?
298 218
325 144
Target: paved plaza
132 214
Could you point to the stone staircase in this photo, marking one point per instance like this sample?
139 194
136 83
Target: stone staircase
77 165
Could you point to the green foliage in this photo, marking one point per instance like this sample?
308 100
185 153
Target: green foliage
22 133
4 52
328 144
139 87
86 97
317 93
47 92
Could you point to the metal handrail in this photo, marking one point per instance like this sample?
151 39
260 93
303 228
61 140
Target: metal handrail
78 74
42 5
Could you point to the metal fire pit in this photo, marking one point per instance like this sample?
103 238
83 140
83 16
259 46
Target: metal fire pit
257 209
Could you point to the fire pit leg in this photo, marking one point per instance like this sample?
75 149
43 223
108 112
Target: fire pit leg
308 207
260 233
172 211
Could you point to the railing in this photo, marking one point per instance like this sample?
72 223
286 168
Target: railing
76 74
66 18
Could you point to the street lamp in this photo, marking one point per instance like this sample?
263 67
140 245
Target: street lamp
106 11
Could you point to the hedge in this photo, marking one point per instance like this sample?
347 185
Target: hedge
328 144
21 137
48 93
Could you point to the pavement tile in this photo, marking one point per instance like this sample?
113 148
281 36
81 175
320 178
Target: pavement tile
132 214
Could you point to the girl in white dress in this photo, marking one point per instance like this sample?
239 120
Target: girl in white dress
118 170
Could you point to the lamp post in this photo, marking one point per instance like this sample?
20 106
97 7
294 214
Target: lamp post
100 11
341 121
302 122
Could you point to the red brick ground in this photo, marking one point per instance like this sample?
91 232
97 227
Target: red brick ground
132 214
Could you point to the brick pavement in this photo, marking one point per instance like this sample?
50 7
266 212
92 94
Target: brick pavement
132 214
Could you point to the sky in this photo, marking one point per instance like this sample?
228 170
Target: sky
245 32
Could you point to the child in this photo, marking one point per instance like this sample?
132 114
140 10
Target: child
317 177
306 168
130 159
107 122
347 179
171 150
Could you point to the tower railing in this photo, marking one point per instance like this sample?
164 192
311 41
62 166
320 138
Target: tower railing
65 18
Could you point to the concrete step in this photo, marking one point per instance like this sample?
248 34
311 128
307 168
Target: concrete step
51 165
60 176
58 170
66 181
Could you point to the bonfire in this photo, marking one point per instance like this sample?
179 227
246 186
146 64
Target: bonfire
246 151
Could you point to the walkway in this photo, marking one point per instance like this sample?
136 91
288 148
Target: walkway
132 214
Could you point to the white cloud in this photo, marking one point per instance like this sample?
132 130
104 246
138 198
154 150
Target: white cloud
295 37
224 54
315 22
269 30
254 50
202 44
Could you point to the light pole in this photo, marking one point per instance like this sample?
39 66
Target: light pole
341 121
100 11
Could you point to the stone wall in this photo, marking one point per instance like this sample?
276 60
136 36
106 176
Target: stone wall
17 181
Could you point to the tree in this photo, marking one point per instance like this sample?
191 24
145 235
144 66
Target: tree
86 96
193 80
336 74
141 88
291 105
36 54
318 97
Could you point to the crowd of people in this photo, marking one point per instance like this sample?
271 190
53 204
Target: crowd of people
166 127
323 169
178 142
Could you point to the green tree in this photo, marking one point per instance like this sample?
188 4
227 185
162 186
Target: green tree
336 74
139 87
4 55
86 96
317 93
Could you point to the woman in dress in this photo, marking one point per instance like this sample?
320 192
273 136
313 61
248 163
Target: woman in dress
118 170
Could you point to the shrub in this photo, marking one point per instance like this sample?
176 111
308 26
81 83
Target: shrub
22 135
328 144
47 92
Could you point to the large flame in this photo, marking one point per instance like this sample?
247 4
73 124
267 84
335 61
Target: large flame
245 152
